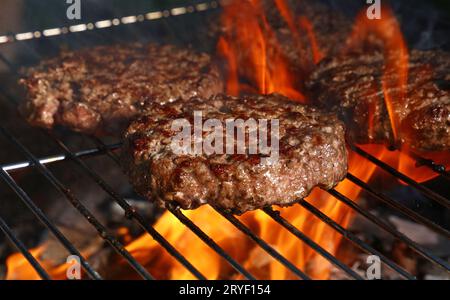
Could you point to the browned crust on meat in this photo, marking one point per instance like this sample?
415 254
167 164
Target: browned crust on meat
351 86
98 90
312 153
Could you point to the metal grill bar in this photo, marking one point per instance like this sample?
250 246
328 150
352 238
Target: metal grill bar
80 207
109 153
425 191
130 211
210 242
22 249
403 209
271 251
275 215
429 163
47 223
60 157
107 23
418 249
355 240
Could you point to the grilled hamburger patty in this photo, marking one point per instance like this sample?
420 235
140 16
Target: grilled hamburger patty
99 90
351 86
312 153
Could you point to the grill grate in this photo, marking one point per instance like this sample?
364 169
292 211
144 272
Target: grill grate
107 23
104 149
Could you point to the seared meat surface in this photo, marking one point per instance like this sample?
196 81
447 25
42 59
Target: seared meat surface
312 152
352 87
98 90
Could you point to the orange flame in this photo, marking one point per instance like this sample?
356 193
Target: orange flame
305 25
251 44
387 30
232 85
18 267
405 163
394 85
316 52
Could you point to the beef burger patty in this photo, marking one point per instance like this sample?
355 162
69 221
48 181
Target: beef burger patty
312 152
351 86
98 90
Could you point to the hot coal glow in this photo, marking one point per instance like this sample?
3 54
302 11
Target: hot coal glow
255 62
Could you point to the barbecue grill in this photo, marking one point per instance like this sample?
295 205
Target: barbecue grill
169 24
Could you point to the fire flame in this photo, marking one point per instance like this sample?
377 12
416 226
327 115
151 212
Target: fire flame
251 51
20 269
387 30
